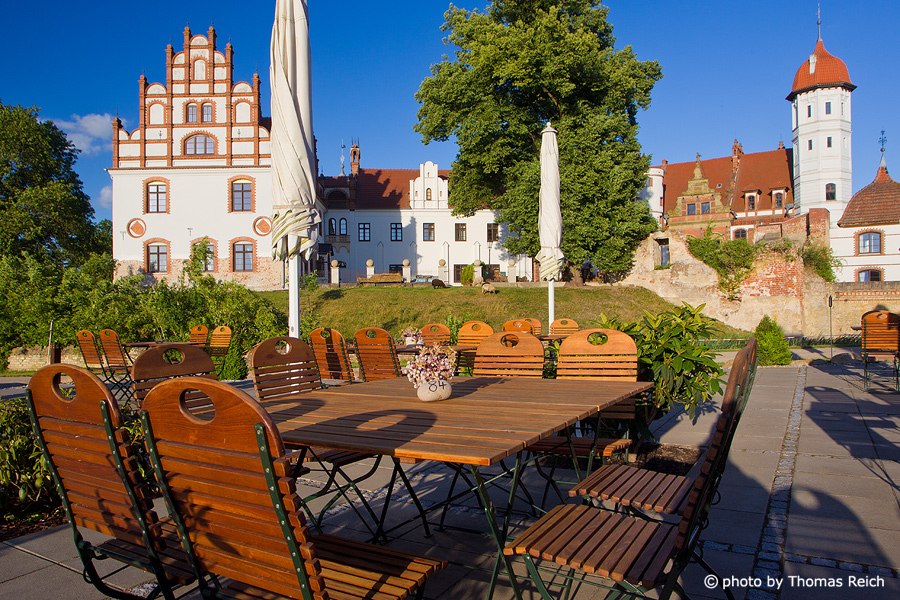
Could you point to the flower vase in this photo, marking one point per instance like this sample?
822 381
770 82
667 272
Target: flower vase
432 391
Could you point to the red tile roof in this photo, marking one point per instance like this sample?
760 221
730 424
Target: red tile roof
876 204
763 171
381 188
828 71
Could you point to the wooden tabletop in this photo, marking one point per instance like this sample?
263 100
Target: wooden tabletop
484 421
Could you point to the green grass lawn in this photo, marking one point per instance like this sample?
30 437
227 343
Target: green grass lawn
394 308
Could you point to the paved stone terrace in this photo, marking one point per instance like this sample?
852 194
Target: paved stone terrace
809 498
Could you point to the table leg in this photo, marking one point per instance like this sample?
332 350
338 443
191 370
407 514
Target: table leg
499 531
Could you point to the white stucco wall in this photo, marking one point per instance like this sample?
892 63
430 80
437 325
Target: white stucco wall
843 244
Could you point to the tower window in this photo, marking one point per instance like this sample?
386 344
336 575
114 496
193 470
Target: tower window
828 141
809 110
828 108
830 191
809 144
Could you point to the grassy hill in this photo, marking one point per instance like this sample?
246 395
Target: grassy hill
348 309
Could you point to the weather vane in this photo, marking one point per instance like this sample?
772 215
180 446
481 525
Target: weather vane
819 19
342 156
883 141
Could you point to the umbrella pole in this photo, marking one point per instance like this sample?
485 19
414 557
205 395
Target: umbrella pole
294 296
551 301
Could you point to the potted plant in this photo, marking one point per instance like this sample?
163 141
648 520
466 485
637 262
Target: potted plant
430 372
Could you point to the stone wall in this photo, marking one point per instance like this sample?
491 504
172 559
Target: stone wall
32 358
849 302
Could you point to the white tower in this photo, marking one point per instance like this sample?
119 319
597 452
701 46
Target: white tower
821 115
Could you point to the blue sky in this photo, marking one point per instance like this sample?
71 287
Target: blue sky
727 67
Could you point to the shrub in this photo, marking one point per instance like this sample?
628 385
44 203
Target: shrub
25 480
672 353
772 345
820 258
454 325
467 276
732 260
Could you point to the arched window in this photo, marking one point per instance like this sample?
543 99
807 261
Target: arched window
199 144
191 113
332 224
207 113
241 196
157 197
242 256
157 258
209 261
428 195
342 227
868 275
869 243
830 191
740 234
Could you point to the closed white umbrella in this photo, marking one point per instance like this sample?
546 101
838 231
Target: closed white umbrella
295 218
550 220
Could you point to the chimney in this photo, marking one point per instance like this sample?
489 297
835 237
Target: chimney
737 151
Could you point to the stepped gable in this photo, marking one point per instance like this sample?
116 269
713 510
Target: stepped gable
764 171
386 188
820 70
876 204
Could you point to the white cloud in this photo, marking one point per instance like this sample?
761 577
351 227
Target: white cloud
105 198
92 134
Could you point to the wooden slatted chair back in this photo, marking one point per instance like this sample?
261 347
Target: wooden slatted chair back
199 335
704 486
510 354
167 361
604 354
376 353
436 334
536 327
71 429
211 471
523 325
281 368
116 357
880 333
473 333
331 355
219 341
90 352
563 327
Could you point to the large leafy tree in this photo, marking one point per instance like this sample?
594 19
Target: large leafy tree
43 210
518 65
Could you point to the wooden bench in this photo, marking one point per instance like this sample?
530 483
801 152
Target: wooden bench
637 554
95 471
230 484
881 341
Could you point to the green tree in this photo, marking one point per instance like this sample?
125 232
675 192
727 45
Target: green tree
43 209
518 65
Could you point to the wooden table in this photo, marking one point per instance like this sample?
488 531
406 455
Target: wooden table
483 422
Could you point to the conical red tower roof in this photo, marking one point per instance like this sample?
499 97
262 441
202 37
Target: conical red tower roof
821 69
876 204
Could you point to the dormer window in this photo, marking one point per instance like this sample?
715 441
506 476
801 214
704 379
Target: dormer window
751 202
779 199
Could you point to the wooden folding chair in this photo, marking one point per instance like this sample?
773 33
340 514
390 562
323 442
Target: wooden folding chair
510 354
636 555
230 486
283 369
524 325
563 327
199 335
331 355
91 353
604 355
167 361
377 354
665 493
218 345
881 341
118 364
94 468
470 334
436 334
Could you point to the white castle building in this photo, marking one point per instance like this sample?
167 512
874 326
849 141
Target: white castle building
739 194
198 166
